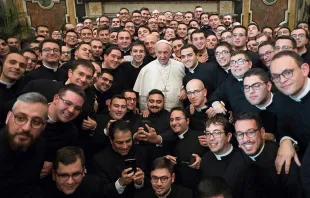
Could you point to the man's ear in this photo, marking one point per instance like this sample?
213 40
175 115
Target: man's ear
8 117
172 177
305 69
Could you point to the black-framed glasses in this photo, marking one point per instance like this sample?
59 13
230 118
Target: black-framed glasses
106 80
195 92
163 179
49 50
298 36
268 53
288 73
254 86
21 119
226 38
224 53
250 133
176 119
240 61
70 104
215 134
64 177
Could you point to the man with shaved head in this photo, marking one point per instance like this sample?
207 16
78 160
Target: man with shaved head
164 74
149 42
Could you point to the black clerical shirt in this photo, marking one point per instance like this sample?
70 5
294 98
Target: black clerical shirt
109 165
131 72
209 73
234 169
176 192
20 171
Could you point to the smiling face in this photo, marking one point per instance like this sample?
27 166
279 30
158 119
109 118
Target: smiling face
155 103
266 54
159 187
118 108
256 96
13 68
81 76
189 58
222 56
138 53
250 145
218 145
199 40
84 52
123 40
178 122
196 93
238 70
104 82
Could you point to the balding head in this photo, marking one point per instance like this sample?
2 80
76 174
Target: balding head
150 42
196 93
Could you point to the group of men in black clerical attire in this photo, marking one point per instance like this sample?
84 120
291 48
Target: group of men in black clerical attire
166 105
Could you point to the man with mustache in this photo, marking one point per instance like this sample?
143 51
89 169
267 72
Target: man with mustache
158 119
162 180
22 148
262 155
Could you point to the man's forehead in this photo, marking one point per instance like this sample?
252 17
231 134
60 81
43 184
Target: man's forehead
251 79
187 51
196 35
156 97
131 94
116 52
220 48
265 48
239 30
119 101
282 63
17 57
194 85
283 42
237 56
108 76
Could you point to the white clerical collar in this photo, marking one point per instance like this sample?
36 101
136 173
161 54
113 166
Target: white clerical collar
201 108
239 79
97 88
304 93
191 70
255 156
269 103
219 157
166 195
8 85
227 70
51 68
162 64
50 120
181 136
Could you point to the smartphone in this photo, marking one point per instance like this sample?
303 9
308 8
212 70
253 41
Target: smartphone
131 163
142 124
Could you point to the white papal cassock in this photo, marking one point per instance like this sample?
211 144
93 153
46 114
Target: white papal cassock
167 78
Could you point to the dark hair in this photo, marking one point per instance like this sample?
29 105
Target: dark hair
110 49
40 25
193 20
249 116
68 155
254 24
214 14
138 43
101 28
82 63
240 26
263 76
6 56
178 38
72 31
105 17
300 22
297 28
214 186
117 96
156 91
294 44
189 12
265 27
80 45
225 32
162 163
179 109
128 22
73 88
135 11
204 13
266 43
294 55
225 44
186 46
220 120
123 31
48 40
119 126
86 28
124 9
30 51
245 53
285 28
144 26
197 32
107 71
144 8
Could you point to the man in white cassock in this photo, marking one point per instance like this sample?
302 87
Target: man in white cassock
165 74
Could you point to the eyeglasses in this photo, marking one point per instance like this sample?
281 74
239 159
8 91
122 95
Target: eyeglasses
131 99
238 62
226 38
176 119
283 47
298 36
224 53
70 104
21 119
268 53
75 176
163 179
288 73
215 134
35 48
49 50
195 92
255 86
250 133
106 80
